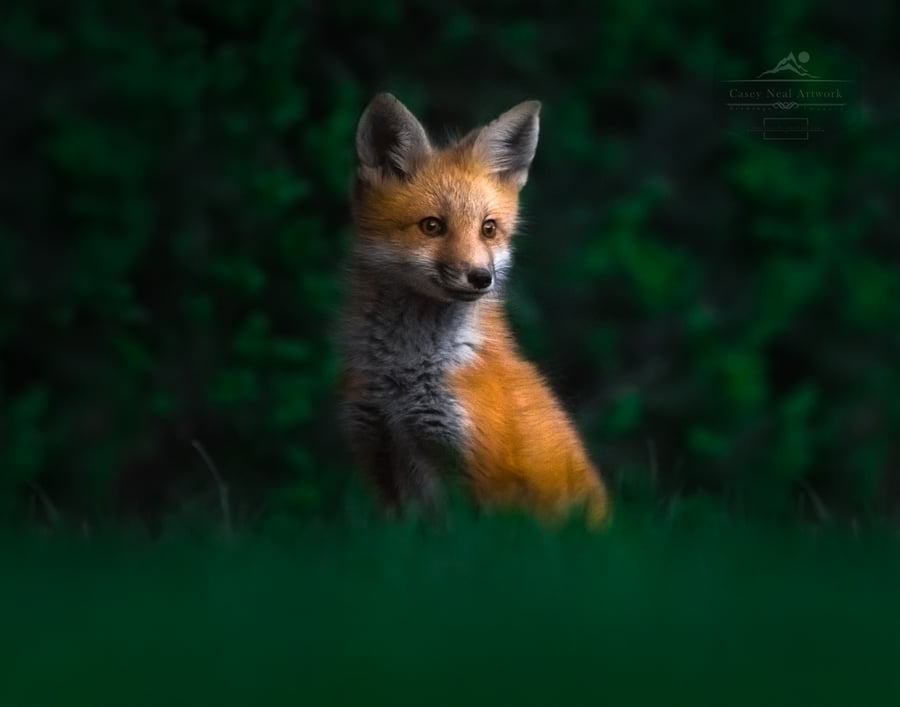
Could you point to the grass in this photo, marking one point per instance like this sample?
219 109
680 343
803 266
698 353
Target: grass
491 610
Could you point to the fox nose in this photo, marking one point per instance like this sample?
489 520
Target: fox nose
480 278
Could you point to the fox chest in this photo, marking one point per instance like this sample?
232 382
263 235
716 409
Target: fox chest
401 364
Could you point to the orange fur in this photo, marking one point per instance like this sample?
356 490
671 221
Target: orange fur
452 184
523 450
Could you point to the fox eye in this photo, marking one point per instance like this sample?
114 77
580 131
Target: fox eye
432 226
489 228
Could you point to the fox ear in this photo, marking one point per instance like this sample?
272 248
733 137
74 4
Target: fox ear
508 143
389 139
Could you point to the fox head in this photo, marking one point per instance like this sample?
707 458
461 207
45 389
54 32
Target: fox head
438 220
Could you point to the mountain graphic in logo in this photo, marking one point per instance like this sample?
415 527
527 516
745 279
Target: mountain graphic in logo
792 63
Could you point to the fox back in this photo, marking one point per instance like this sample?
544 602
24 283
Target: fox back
432 382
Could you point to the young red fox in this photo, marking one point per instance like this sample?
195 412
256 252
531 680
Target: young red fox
431 371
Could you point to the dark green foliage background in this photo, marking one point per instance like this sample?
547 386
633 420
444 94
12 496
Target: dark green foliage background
720 316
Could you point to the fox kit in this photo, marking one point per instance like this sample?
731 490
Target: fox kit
430 370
